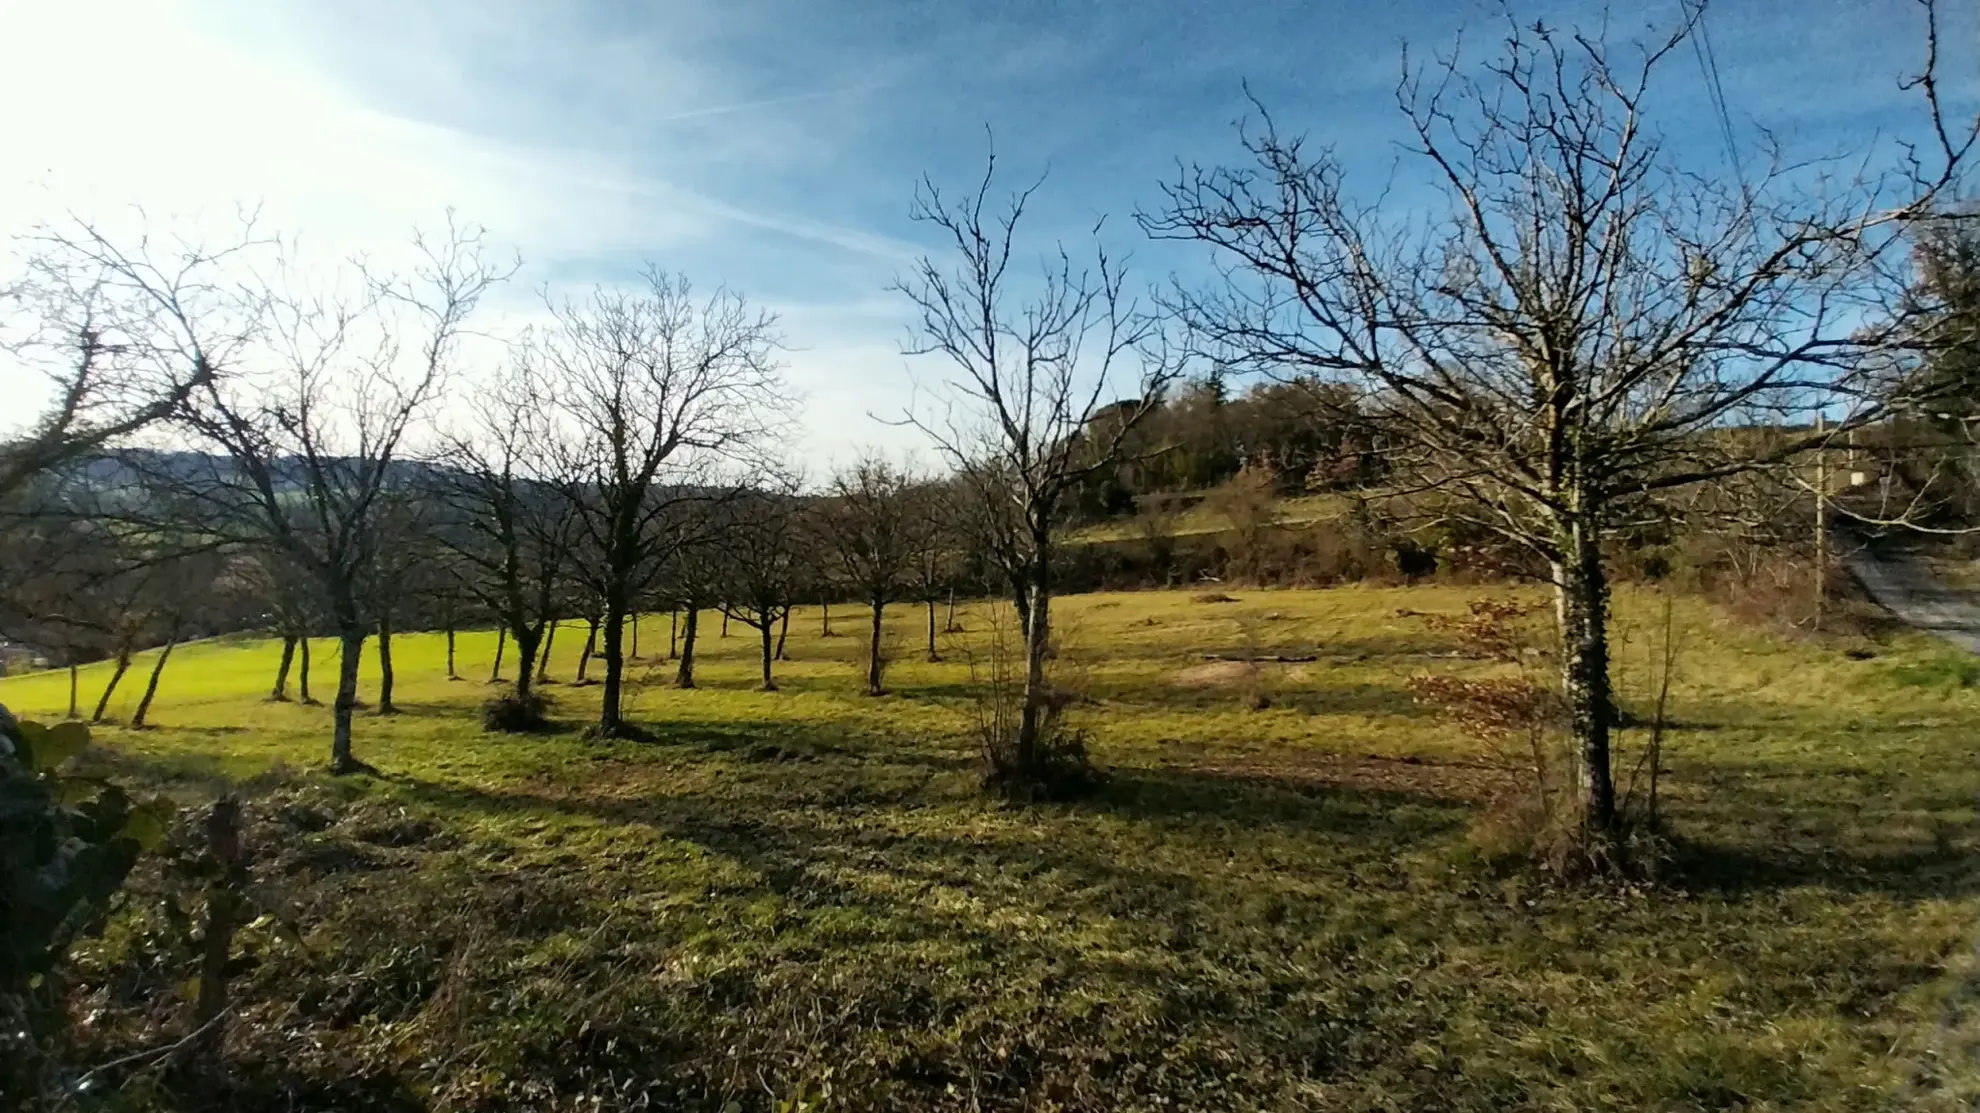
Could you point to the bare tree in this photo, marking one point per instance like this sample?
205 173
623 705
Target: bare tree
662 387
1031 371
292 608
761 541
402 523
696 576
875 531
1579 330
202 593
112 327
309 443
509 519
935 565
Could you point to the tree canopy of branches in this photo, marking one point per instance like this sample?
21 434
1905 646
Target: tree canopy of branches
1560 346
761 539
874 523
509 520
659 388
1031 370
107 323
307 440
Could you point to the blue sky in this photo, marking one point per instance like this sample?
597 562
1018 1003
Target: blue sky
773 144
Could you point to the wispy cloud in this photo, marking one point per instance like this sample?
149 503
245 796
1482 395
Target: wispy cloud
770 102
767 144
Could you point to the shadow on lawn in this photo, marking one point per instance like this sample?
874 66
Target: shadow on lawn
1303 696
1193 799
1927 873
1193 796
889 876
790 768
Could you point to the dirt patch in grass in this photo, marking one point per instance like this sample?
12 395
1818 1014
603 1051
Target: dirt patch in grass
1216 674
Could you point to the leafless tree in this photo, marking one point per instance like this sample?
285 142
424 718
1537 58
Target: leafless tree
936 564
309 441
1034 360
869 520
695 578
1576 331
293 610
509 519
761 541
205 592
110 324
662 387
402 523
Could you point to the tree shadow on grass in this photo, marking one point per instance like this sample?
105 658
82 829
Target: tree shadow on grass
790 767
1192 796
794 740
852 906
1926 873
1337 699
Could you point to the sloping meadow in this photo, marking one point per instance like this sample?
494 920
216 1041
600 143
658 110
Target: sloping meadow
1276 901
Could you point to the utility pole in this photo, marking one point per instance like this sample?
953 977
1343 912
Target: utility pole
1821 518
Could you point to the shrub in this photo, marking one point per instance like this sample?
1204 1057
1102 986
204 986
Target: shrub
1058 766
511 714
67 843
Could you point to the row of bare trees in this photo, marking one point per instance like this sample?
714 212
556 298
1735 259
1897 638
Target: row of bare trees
623 458
1580 326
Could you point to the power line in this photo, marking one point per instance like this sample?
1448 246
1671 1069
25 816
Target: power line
1708 65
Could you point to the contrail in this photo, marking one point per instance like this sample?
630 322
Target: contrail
769 102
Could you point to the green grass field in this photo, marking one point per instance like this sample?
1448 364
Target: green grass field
1262 909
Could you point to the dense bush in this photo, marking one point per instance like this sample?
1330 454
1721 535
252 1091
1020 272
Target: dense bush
66 845
513 714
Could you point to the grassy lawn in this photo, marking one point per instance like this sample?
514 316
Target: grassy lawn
1264 909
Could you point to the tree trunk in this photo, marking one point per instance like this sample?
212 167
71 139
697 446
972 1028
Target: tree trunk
951 625
725 623
1581 597
385 676
784 633
451 674
1021 600
610 721
501 643
351 643
549 643
281 690
769 685
1037 628
123 666
684 676
874 664
932 655
151 686
673 633
590 645
527 676
635 635
74 681
825 619
302 671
